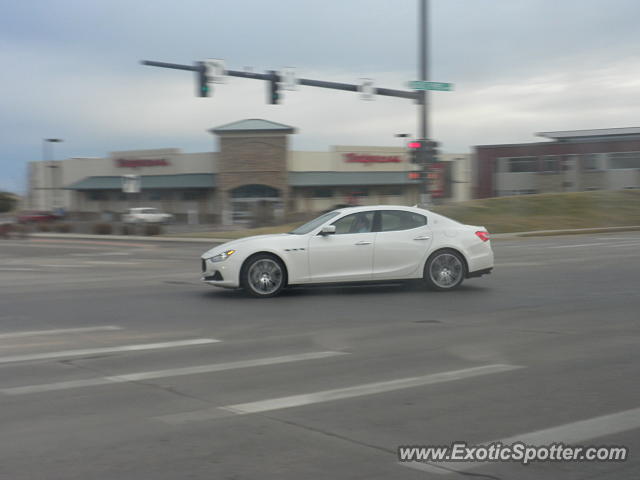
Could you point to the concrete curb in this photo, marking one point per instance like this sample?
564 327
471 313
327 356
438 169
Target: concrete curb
137 238
572 231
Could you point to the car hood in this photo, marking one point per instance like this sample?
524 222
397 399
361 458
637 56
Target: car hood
233 244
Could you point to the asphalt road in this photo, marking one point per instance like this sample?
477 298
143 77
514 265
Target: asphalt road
116 363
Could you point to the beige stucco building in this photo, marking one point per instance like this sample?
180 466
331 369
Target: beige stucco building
254 167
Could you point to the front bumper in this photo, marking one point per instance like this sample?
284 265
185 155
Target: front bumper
220 274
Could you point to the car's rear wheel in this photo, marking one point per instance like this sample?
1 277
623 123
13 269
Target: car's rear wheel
445 270
263 276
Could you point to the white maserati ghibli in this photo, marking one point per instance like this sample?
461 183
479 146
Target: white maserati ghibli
355 245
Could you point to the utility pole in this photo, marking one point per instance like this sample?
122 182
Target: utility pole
423 110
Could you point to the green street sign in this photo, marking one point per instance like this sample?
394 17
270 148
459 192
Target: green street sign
423 85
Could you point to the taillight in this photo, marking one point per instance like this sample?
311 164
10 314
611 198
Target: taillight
482 235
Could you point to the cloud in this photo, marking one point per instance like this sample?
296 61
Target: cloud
519 66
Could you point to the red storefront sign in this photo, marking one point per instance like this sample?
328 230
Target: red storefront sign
367 158
141 162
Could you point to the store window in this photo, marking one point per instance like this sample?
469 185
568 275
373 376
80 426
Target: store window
255 191
392 191
322 192
590 161
550 164
96 195
624 160
191 195
523 164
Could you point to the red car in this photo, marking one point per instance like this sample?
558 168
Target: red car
35 217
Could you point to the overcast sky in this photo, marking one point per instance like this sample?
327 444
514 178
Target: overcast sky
70 69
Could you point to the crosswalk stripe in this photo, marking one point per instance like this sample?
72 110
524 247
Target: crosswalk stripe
59 331
329 395
173 372
366 389
93 351
570 433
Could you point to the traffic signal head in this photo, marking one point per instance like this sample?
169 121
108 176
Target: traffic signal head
202 84
274 88
423 151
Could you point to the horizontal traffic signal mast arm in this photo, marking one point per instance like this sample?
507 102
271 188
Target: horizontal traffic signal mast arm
389 92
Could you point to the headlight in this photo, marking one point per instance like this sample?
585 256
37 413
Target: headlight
222 256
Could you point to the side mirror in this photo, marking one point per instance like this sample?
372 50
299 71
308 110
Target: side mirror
328 230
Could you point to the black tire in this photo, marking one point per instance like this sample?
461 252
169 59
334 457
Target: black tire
263 276
445 270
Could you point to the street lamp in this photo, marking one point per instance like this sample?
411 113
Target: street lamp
47 157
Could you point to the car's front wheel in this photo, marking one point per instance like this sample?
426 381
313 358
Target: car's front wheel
445 270
263 276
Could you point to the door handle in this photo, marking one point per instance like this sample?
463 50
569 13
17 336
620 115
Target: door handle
362 243
422 237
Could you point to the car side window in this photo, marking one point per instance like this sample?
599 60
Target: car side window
355 223
394 220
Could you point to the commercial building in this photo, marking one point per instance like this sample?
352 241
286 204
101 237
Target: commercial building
602 159
254 168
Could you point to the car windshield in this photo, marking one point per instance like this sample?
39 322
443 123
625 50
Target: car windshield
315 223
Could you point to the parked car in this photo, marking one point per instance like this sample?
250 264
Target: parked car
358 245
146 215
35 216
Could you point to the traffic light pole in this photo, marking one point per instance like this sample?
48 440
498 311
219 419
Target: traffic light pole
272 76
423 111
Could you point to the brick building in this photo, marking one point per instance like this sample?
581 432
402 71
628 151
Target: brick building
603 159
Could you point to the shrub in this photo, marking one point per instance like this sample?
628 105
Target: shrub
102 229
63 227
152 229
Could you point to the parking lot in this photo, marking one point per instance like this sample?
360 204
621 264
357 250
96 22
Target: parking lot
116 362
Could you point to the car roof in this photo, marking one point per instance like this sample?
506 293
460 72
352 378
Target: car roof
367 208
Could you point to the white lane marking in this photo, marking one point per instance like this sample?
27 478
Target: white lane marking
569 433
101 254
616 238
59 331
521 264
107 262
59 265
365 389
579 245
92 351
173 372
633 244
2 269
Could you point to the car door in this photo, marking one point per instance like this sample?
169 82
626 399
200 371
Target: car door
347 254
401 244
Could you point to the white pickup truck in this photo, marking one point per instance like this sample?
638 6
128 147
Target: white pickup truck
146 215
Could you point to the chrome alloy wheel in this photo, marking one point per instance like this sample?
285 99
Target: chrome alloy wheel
265 276
446 270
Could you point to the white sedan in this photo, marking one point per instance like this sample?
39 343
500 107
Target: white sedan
356 244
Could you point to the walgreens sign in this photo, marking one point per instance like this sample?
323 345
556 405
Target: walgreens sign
367 158
141 162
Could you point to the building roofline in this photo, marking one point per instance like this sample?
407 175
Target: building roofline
595 132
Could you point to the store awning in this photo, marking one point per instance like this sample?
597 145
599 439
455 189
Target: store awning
186 180
318 179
